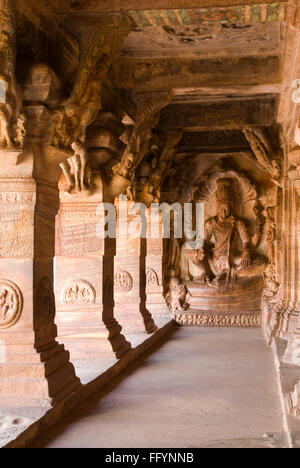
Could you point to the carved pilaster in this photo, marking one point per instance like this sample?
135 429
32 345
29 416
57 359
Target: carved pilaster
84 277
155 266
130 275
286 311
293 348
39 365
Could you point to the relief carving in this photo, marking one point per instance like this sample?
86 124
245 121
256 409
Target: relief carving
16 234
79 292
11 304
219 262
151 278
123 281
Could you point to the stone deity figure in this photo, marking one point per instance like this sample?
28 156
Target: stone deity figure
217 262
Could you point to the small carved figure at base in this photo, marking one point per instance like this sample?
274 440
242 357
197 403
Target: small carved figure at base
176 297
271 285
20 131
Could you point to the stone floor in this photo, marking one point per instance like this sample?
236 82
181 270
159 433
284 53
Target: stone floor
202 387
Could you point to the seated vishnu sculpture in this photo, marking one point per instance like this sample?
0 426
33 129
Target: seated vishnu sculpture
227 249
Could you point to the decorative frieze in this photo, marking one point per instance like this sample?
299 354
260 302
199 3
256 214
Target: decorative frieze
218 320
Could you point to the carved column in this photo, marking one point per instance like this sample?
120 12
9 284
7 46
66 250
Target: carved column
130 276
292 354
35 369
84 276
286 311
155 270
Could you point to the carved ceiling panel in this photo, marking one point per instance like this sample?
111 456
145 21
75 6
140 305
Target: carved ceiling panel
203 39
147 12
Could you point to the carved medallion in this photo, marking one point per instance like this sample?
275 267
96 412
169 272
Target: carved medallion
11 304
123 281
79 292
151 278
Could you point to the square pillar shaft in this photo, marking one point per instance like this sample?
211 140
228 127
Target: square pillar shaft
84 278
34 369
130 275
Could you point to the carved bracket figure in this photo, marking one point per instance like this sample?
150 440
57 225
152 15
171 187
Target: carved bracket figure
262 150
148 106
152 174
77 170
100 38
12 120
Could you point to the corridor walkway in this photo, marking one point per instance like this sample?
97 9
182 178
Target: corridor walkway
201 388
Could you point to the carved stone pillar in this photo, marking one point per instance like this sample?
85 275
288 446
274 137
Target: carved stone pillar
156 303
292 354
34 368
130 276
286 311
84 277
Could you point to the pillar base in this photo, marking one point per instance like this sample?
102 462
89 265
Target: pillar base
86 336
292 353
36 378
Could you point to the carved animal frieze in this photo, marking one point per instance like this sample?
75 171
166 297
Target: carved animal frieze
123 281
218 320
11 304
78 292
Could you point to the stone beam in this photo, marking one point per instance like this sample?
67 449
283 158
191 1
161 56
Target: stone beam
117 5
158 74
231 114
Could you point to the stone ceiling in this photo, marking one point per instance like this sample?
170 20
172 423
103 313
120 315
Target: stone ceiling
224 60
